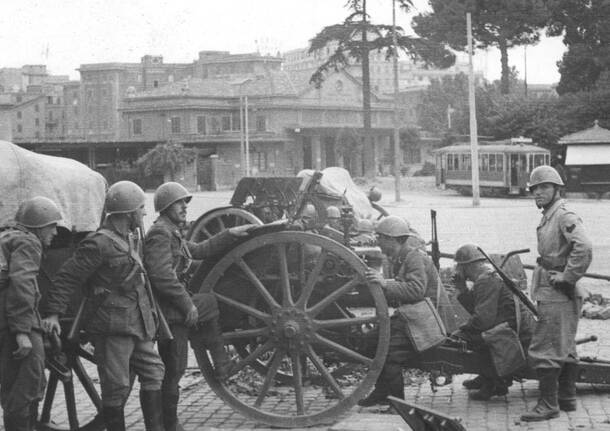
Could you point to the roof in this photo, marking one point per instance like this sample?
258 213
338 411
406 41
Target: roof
496 147
592 135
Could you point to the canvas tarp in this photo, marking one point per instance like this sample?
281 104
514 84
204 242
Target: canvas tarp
77 190
338 182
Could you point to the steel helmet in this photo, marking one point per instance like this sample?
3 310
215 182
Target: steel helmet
544 174
38 212
333 212
374 194
168 193
393 226
124 197
468 253
309 210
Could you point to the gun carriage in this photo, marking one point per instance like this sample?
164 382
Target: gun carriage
308 335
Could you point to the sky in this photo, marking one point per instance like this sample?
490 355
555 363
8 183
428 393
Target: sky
66 33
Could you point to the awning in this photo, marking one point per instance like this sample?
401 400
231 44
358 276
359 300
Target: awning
588 155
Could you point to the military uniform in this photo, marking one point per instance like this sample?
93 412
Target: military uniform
564 247
22 381
167 256
121 317
414 278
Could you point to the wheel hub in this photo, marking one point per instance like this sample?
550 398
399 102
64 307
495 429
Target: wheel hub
292 326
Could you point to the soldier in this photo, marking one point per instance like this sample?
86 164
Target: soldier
22 379
167 257
565 254
309 217
490 303
414 278
333 218
121 319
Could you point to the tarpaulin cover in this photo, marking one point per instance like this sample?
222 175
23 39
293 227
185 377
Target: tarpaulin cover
338 182
76 189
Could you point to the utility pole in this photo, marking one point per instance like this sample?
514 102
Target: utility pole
474 150
247 149
397 155
241 136
525 69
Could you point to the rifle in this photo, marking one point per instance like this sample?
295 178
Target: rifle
77 323
165 333
435 252
512 287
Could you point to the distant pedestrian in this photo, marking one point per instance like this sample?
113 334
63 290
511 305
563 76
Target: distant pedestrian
565 254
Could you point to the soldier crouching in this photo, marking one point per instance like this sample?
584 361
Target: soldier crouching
122 319
22 379
168 256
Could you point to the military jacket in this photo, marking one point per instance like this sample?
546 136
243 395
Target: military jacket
416 278
119 301
167 255
563 246
489 303
19 294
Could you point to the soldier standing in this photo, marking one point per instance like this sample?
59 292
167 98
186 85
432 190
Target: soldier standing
167 257
565 254
22 379
121 319
414 278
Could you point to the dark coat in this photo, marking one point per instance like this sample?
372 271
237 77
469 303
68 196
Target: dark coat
120 303
167 255
19 295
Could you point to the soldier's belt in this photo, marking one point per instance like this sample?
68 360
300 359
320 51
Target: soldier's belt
547 265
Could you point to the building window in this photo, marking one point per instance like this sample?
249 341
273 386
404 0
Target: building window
37 135
155 83
19 115
215 125
137 126
36 108
50 115
50 100
37 122
235 123
175 124
260 161
226 122
75 126
261 123
19 128
201 125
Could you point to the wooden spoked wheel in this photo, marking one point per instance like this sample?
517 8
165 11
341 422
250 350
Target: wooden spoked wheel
299 328
69 384
219 219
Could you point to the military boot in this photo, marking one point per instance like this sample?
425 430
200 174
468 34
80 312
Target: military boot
490 387
214 343
547 407
17 423
152 410
567 387
114 418
475 383
170 412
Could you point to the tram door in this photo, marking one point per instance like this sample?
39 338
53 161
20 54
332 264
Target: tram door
515 167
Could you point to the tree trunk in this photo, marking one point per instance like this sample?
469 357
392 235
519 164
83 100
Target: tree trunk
505 79
368 152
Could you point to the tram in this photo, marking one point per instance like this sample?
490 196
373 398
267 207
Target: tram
504 166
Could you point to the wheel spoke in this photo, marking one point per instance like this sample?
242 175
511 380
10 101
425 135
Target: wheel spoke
71 404
332 297
284 275
246 333
85 354
317 362
311 281
258 284
221 223
49 397
349 353
338 323
206 232
243 307
259 351
269 378
297 378
87 383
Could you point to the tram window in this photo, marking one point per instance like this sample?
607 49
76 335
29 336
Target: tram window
522 162
465 165
450 162
484 162
538 160
492 162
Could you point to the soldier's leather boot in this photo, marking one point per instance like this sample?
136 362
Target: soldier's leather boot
475 383
17 423
114 418
374 398
170 412
152 410
490 387
567 387
547 407
34 414
212 337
